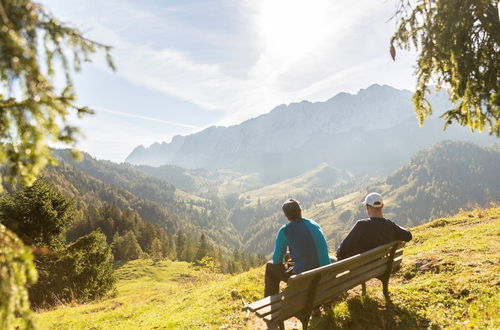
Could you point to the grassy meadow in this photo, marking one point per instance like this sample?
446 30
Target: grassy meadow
449 279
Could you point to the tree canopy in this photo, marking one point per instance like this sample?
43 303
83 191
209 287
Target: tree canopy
458 44
35 49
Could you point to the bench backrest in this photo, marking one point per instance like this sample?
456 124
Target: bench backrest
320 285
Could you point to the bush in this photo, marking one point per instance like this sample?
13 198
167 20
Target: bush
16 271
82 272
126 247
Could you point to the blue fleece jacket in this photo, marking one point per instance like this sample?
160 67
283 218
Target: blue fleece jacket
306 242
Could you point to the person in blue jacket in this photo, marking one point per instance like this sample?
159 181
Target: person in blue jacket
306 243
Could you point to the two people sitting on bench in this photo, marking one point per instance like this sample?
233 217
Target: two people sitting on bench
372 232
307 245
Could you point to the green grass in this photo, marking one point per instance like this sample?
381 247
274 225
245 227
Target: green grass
449 279
162 295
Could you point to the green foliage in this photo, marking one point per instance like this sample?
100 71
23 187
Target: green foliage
156 251
88 266
459 47
126 247
203 248
82 272
33 111
441 180
208 264
16 271
38 214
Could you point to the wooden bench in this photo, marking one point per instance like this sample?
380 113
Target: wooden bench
309 290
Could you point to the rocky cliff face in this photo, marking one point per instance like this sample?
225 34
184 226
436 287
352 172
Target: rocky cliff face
377 122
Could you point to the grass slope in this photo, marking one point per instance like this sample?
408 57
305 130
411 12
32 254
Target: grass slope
322 178
449 279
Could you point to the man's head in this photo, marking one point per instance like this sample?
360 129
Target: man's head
374 204
292 210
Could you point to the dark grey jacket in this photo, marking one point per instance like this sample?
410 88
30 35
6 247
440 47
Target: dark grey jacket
370 233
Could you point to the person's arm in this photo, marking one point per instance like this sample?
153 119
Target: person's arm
403 234
280 247
348 246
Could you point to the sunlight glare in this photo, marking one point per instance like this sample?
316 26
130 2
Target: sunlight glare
292 28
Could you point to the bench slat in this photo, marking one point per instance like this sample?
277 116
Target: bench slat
342 284
340 266
365 265
269 309
274 317
327 295
349 262
264 302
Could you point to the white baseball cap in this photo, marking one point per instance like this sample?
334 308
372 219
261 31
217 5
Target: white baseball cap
374 200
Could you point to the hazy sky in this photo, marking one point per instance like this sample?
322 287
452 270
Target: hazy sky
185 65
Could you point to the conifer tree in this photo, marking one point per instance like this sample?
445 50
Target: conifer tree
155 251
34 52
39 214
203 248
126 247
458 44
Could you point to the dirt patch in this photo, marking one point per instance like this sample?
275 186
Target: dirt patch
256 323
481 222
428 265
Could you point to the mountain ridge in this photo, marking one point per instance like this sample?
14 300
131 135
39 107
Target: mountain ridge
377 122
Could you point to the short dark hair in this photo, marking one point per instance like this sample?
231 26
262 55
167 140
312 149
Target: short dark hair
292 209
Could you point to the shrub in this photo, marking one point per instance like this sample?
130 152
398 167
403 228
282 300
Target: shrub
82 272
126 247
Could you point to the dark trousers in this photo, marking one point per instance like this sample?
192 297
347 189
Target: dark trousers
275 273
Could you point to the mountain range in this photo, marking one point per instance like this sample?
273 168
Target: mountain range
371 133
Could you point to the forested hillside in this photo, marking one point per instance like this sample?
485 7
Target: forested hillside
183 210
436 182
234 215
140 215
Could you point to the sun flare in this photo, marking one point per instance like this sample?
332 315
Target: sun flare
292 28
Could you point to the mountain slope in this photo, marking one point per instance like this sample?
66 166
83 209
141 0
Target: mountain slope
309 186
449 278
376 123
438 181
93 182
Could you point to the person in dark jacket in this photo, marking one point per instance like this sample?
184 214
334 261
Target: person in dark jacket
371 232
307 245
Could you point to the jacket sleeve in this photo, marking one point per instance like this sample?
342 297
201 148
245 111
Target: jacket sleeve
402 234
280 247
348 246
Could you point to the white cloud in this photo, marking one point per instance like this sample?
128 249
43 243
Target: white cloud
305 49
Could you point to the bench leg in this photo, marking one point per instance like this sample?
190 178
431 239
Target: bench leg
305 321
385 288
279 325
363 289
